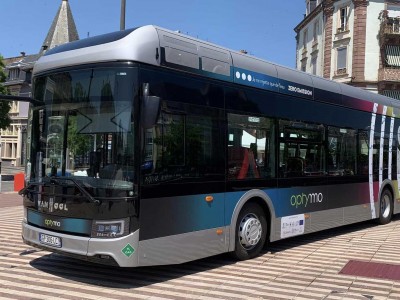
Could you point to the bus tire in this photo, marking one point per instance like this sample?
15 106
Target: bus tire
385 207
250 233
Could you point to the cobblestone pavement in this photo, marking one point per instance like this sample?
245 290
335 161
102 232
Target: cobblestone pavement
305 267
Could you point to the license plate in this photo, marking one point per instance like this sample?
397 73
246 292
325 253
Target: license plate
50 240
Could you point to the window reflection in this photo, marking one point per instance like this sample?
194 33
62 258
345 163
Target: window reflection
250 147
86 126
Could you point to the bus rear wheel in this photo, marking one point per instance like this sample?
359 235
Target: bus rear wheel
385 207
251 232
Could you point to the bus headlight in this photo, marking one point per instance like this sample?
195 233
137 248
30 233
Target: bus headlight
110 228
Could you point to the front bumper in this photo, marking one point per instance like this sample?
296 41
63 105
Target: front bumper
121 251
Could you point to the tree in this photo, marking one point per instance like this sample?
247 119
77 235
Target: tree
4 105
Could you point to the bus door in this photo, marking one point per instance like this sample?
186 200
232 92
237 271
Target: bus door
348 171
302 174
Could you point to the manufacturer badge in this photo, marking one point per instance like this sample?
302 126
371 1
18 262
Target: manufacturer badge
51 203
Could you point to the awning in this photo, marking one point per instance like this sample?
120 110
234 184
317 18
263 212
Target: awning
392 94
393 55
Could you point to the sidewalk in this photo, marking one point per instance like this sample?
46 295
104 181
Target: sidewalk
10 199
7 186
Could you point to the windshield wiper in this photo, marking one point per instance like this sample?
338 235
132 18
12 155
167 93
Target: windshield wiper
55 180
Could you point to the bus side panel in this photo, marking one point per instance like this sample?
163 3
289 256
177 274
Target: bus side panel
180 248
339 205
178 229
167 216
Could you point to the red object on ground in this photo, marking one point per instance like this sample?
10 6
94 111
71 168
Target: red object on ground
19 181
372 270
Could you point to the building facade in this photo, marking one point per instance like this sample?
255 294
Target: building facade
18 70
13 138
352 41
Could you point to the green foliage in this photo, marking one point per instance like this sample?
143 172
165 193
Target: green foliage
4 105
78 144
182 145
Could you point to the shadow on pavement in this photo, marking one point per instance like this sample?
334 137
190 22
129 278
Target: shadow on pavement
122 278
127 278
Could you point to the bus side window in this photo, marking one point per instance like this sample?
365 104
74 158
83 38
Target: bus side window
250 147
342 146
184 145
301 149
294 167
362 163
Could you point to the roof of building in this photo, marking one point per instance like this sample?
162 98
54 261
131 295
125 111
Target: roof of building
22 62
62 30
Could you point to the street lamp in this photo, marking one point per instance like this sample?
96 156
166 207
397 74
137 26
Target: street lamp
0 161
123 10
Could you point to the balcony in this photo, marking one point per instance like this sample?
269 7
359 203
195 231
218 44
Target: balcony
389 74
389 29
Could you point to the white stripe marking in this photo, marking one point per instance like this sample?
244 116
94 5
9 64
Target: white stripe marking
370 159
381 146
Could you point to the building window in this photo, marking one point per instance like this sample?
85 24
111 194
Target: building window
341 63
305 36
14 107
343 19
311 5
9 150
304 66
393 10
316 32
314 65
13 74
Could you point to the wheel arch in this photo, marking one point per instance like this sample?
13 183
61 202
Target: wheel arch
386 184
256 196
384 216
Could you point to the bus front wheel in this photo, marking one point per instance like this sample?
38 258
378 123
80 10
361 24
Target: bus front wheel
385 207
251 232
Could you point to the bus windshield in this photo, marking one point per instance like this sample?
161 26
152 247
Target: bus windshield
86 128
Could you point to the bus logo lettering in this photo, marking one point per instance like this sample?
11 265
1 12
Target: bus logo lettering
51 223
51 206
302 200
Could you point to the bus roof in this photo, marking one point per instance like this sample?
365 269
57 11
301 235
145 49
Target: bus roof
161 47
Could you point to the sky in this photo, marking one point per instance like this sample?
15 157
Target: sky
264 28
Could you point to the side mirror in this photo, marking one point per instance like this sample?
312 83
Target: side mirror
20 99
150 108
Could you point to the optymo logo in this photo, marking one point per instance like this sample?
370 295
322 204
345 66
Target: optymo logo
52 223
303 200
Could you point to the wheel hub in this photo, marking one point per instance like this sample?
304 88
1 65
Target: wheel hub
250 231
385 206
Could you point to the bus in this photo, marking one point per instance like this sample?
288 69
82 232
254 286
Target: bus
149 147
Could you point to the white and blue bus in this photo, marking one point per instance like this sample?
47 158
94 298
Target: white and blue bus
149 147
